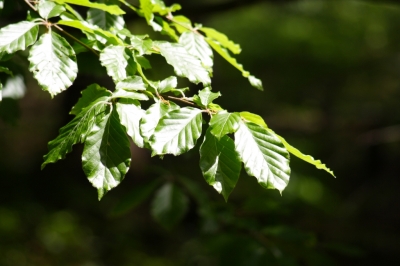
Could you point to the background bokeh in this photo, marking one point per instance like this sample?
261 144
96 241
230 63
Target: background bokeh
331 72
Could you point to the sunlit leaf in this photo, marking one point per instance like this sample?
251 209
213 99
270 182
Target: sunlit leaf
115 60
105 20
130 113
167 84
14 87
169 205
106 156
153 116
15 37
224 123
147 8
182 24
177 131
112 9
49 9
53 63
205 97
133 83
263 154
185 64
220 163
222 39
120 93
195 44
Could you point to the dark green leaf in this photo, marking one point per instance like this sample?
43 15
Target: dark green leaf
53 63
89 95
220 163
169 205
263 154
106 156
224 123
185 64
75 131
130 113
15 37
177 131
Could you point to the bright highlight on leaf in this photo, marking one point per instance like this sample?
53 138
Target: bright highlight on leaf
53 63
112 9
18 36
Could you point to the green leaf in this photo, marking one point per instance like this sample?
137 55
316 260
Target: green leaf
49 9
6 70
182 24
169 205
162 9
263 154
133 83
18 36
177 131
135 197
165 28
53 63
112 9
142 45
75 131
220 163
259 121
185 64
222 39
106 156
225 54
115 60
153 116
224 123
167 84
195 44
129 95
89 95
147 9
105 20
256 119
130 113
206 96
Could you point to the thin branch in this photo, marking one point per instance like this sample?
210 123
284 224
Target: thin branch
182 100
30 4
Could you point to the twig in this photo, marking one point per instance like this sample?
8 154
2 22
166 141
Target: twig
29 4
182 100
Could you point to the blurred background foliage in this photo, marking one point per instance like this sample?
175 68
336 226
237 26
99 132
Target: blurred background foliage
331 70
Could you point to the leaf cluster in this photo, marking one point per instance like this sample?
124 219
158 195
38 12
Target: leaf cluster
105 119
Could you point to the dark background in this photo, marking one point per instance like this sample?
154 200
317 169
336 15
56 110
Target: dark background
331 72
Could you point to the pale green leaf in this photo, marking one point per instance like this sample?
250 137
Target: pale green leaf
106 156
147 9
75 131
130 114
105 20
132 83
162 9
224 123
185 64
120 93
169 205
256 119
49 9
177 131
220 163
225 54
182 24
115 60
153 116
264 155
15 37
222 39
195 44
53 63
207 96
89 95
167 84
259 121
142 45
112 9
14 87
